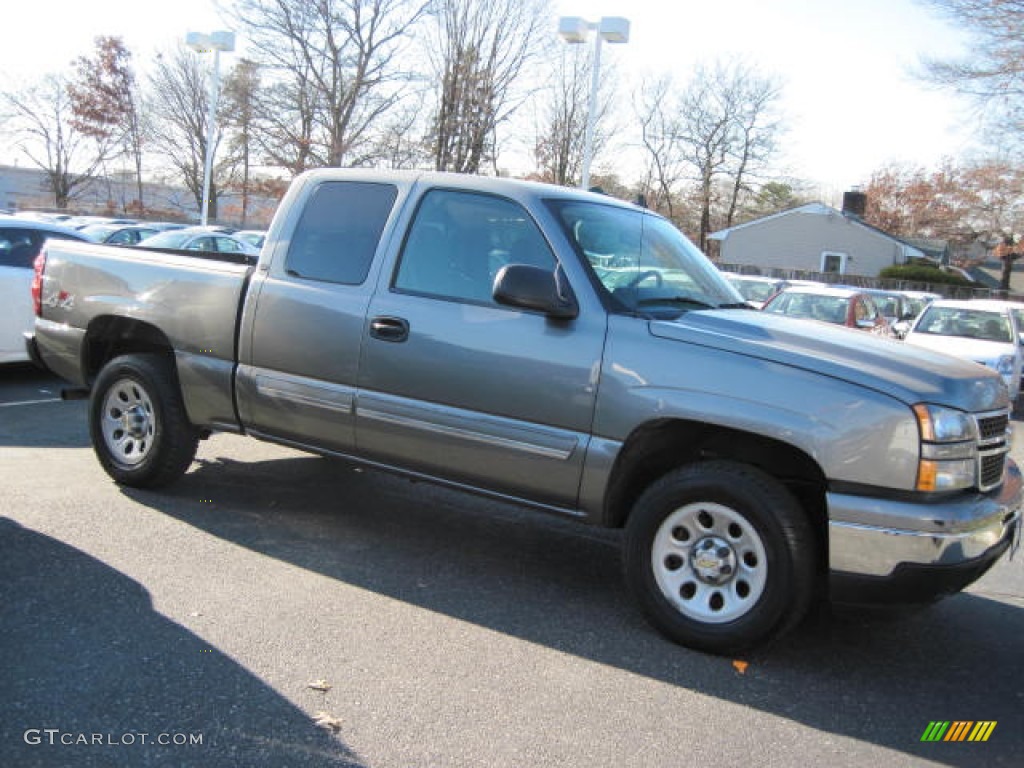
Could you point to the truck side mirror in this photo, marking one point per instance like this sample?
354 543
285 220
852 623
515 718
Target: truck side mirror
535 288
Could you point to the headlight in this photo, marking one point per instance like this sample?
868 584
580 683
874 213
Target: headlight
949 448
945 425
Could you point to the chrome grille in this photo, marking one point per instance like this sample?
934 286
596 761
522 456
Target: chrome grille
990 470
992 426
993 445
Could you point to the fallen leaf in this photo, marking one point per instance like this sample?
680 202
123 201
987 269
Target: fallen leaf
319 685
327 721
741 666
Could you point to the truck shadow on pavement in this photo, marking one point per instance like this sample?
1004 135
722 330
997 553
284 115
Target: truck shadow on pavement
875 676
85 653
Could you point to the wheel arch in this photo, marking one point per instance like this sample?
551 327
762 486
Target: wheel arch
657 447
110 336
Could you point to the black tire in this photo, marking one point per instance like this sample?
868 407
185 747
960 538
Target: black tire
720 557
140 431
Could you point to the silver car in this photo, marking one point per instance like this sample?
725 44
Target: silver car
199 239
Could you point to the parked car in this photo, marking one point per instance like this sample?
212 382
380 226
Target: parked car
895 308
915 302
118 234
918 300
893 305
981 330
163 226
199 239
20 241
755 289
252 236
81 222
49 217
850 307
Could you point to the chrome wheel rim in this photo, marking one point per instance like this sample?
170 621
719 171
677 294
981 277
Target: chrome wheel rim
709 562
128 422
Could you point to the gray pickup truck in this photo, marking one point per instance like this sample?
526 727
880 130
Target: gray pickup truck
567 351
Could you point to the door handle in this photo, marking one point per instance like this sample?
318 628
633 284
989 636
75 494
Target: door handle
389 328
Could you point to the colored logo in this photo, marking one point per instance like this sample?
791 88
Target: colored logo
958 730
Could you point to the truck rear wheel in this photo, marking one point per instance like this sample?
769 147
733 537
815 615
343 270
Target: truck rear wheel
140 431
720 556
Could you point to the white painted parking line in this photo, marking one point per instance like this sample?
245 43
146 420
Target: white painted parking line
31 402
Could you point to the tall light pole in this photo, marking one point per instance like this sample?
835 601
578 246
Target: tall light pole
201 42
573 29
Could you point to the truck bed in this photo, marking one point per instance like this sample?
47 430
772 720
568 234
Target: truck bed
190 299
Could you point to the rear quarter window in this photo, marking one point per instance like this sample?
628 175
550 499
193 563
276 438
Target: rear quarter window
19 247
338 231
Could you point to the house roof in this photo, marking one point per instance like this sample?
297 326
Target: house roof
820 209
816 208
934 247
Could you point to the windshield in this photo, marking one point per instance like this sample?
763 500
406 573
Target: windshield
643 262
812 306
967 323
915 305
754 290
887 305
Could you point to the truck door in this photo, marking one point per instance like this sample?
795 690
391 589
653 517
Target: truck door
300 351
453 385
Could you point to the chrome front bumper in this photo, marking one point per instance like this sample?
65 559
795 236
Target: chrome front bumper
874 538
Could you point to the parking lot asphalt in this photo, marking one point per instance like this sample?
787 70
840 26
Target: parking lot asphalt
275 608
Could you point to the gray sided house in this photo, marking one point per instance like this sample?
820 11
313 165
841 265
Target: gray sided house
813 238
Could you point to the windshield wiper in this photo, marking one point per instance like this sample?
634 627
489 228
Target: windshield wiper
679 301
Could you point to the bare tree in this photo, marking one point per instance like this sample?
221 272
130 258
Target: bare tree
104 102
398 143
42 123
240 93
728 130
478 51
558 148
285 115
661 135
332 71
756 128
178 108
720 128
992 73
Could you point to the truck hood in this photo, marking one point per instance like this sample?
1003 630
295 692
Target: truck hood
911 374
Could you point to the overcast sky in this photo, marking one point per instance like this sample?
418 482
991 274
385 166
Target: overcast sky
850 100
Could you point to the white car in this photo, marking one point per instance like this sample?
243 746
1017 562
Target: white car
20 241
982 330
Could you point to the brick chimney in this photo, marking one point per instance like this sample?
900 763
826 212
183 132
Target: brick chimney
855 203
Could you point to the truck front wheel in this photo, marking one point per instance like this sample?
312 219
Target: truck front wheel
720 556
140 431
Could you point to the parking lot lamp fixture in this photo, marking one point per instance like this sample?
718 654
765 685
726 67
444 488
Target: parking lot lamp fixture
200 42
574 29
